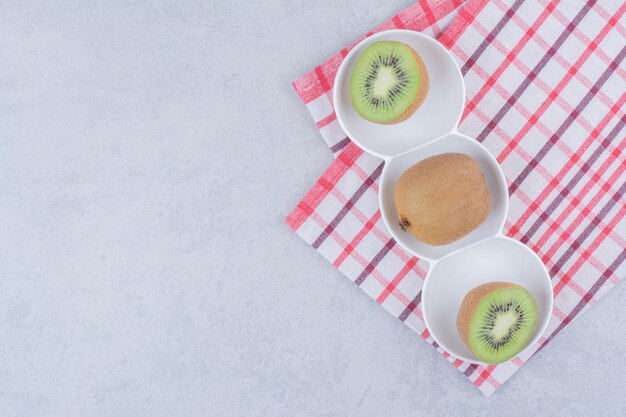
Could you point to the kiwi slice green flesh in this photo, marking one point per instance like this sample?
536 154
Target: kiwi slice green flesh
385 81
502 324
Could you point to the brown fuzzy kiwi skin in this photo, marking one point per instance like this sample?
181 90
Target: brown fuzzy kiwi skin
442 198
421 94
470 303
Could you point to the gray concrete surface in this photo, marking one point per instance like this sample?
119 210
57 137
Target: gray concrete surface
149 152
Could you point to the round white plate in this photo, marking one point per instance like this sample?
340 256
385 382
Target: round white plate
438 115
484 255
457 143
497 259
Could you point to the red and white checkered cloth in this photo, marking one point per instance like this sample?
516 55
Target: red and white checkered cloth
546 88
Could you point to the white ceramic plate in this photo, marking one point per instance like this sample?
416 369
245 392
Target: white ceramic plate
457 143
484 255
497 259
439 113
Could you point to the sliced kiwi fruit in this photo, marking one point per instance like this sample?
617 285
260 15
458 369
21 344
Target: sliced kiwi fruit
496 321
388 83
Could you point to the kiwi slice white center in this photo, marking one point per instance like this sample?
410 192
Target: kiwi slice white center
385 83
503 323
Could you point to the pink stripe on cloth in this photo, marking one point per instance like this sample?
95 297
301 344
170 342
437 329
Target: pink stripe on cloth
545 91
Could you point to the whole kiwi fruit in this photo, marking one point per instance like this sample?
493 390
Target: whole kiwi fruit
442 198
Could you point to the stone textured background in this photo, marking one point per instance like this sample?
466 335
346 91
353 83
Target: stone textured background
149 152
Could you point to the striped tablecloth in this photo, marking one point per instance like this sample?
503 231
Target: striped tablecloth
546 88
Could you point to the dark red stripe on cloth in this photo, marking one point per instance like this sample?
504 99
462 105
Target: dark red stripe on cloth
471 61
470 369
375 261
322 187
555 93
593 225
348 206
603 146
605 185
535 71
510 57
569 187
567 123
411 307
588 250
585 300
340 145
563 236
